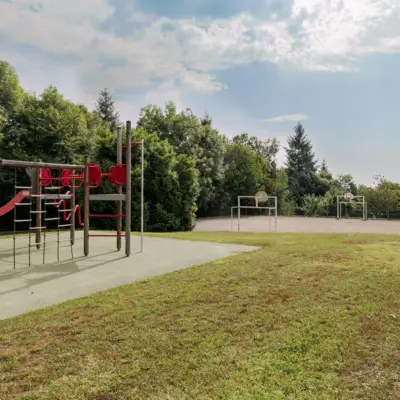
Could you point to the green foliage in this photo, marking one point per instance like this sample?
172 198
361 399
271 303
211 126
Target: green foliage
301 167
245 172
194 137
191 169
105 108
316 205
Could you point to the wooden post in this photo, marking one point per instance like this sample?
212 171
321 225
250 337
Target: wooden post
119 188
86 208
38 209
128 195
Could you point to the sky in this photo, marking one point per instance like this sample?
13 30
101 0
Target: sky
255 66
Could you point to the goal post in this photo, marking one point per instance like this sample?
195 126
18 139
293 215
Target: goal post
260 197
349 198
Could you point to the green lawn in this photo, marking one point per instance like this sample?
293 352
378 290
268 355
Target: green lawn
306 317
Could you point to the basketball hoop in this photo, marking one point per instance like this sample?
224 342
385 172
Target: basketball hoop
348 196
261 196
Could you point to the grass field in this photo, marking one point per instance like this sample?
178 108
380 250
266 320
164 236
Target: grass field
305 317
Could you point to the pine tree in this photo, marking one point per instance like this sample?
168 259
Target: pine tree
301 166
105 107
299 153
324 171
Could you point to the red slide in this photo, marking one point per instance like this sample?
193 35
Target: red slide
17 199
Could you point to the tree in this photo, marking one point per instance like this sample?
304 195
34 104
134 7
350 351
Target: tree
324 171
299 153
193 137
267 148
301 167
245 172
105 108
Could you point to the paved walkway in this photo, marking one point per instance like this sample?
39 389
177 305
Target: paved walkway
29 288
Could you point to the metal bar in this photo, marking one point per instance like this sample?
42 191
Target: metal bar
64 210
38 196
21 220
58 241
37 228
56 197
53 187
142 199
86 207
23 187
37 212
119 188
108 197
33 164
22 204
64 225
238 213
52 219
32 245
128 189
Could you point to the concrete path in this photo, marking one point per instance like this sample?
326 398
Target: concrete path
29 288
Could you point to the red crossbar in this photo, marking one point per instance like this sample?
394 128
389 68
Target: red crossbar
106 215
107 235
133 144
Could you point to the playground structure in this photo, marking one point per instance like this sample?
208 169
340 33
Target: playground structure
72 177
260 197
349 199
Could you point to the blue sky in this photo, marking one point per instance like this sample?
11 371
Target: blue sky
256 66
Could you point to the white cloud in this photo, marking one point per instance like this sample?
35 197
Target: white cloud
329 35
287 117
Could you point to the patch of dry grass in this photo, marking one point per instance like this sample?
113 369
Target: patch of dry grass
305 317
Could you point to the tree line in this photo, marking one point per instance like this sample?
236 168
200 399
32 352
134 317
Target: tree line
191 169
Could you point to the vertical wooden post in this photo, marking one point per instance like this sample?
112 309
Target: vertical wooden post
119 188
86 208
73 203
128 195
38 230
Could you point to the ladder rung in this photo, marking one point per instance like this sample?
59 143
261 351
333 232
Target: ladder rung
37 227
58 241
50 204
21 220
64 226
59 210
23 187
34 245
38 195
23 204
52 219
37 212
53 187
